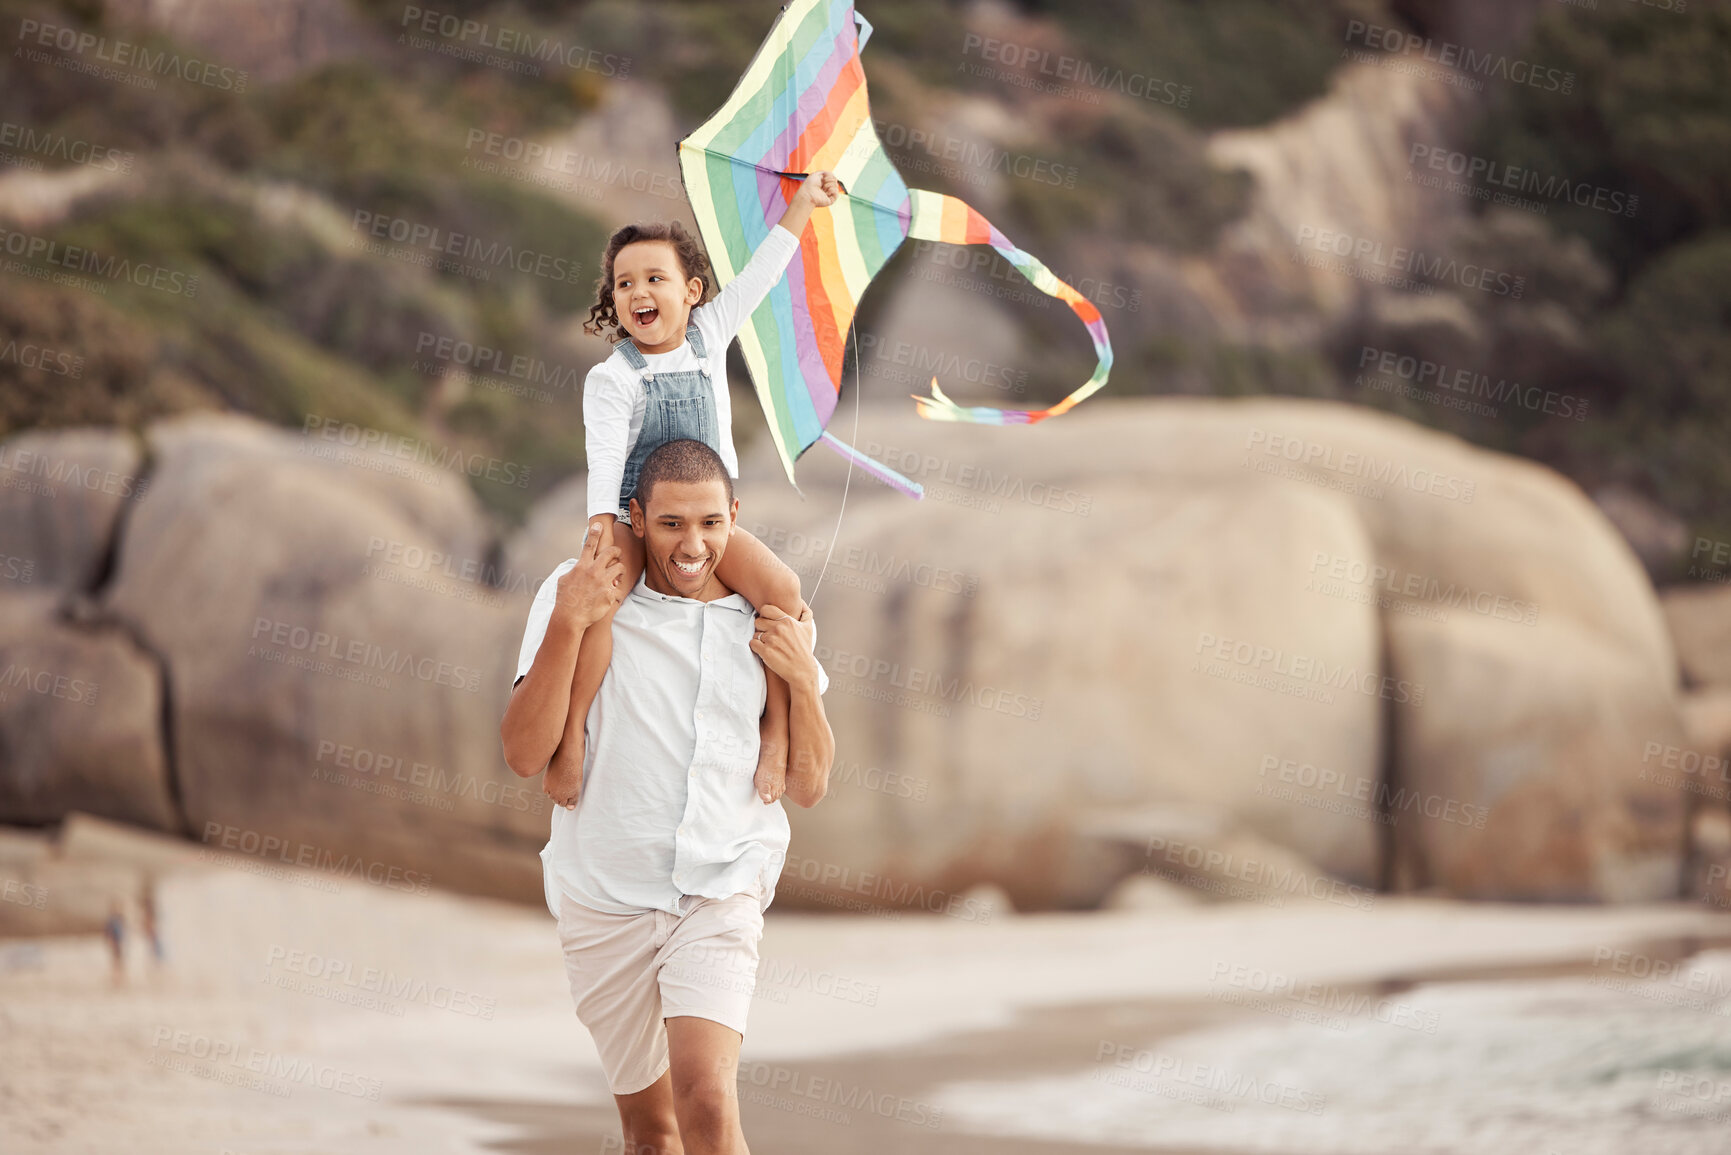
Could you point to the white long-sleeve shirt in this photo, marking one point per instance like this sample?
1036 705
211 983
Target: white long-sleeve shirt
613 391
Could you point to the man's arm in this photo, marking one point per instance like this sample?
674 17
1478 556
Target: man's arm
534 719
811 746
786 648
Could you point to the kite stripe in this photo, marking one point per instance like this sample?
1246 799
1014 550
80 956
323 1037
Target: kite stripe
801 106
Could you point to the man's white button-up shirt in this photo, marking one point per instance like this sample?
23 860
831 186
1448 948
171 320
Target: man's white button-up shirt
668 805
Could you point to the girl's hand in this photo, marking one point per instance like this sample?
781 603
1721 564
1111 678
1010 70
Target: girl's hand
785 644
817 191
820 189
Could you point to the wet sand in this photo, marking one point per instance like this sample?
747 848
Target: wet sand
1041 1041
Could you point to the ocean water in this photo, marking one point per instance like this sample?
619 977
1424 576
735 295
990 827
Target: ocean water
1600 1064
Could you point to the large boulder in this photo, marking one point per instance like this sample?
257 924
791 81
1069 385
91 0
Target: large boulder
553 532
1699 617
1033 669
62 492
1524 776
80 720
338 679
1290 611
1264 648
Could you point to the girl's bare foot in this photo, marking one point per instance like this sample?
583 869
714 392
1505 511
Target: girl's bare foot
771 778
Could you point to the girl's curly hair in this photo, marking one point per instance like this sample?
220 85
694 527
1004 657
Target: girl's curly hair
692 262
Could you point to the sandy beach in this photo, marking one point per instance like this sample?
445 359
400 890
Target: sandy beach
305 1013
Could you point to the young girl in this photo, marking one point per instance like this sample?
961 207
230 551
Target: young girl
667 379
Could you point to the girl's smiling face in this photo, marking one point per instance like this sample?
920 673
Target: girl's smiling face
652 295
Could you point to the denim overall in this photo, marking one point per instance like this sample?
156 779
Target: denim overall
675 405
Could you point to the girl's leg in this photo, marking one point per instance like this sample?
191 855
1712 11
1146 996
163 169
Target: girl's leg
751 569
594 652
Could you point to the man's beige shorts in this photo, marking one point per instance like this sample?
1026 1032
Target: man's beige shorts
628 972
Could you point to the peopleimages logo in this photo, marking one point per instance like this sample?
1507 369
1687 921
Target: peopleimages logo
961 158
307 855
251 1067
391 448
1480 65
1228 1085
1401 260
1059 74
335 977
1330 571
1323 788
66 149
124 54
882 889
1510 180
302 647
1308 669
29 355
1226 873
472 40
541 164
1470 383
1280 447
488 359
34 252
19 463
441 242
919 680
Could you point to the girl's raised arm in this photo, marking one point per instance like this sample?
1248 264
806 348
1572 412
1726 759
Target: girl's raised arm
746 291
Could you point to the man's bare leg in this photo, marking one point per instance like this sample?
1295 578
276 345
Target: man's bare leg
647 1119
704 1063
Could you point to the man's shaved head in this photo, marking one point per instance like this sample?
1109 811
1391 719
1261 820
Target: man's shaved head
682 460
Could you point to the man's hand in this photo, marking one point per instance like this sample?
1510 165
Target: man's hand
590 590
784 643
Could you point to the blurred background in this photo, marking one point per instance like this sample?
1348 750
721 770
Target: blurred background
1315 742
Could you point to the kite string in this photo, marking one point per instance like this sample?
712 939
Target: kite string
854 438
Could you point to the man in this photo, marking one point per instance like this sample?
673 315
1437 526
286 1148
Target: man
660 872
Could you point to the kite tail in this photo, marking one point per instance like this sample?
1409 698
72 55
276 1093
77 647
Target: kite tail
876 468
940 217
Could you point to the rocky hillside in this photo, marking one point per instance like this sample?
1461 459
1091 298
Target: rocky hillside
1521 204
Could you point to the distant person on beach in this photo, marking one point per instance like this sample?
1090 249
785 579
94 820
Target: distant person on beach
660 871
114 930
147 917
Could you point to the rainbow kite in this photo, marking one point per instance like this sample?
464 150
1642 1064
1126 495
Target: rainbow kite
801 108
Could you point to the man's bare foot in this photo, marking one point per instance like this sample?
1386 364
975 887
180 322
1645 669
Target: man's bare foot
771 779
563 781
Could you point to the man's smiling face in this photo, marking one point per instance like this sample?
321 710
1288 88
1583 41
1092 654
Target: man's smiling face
685 531
652 295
